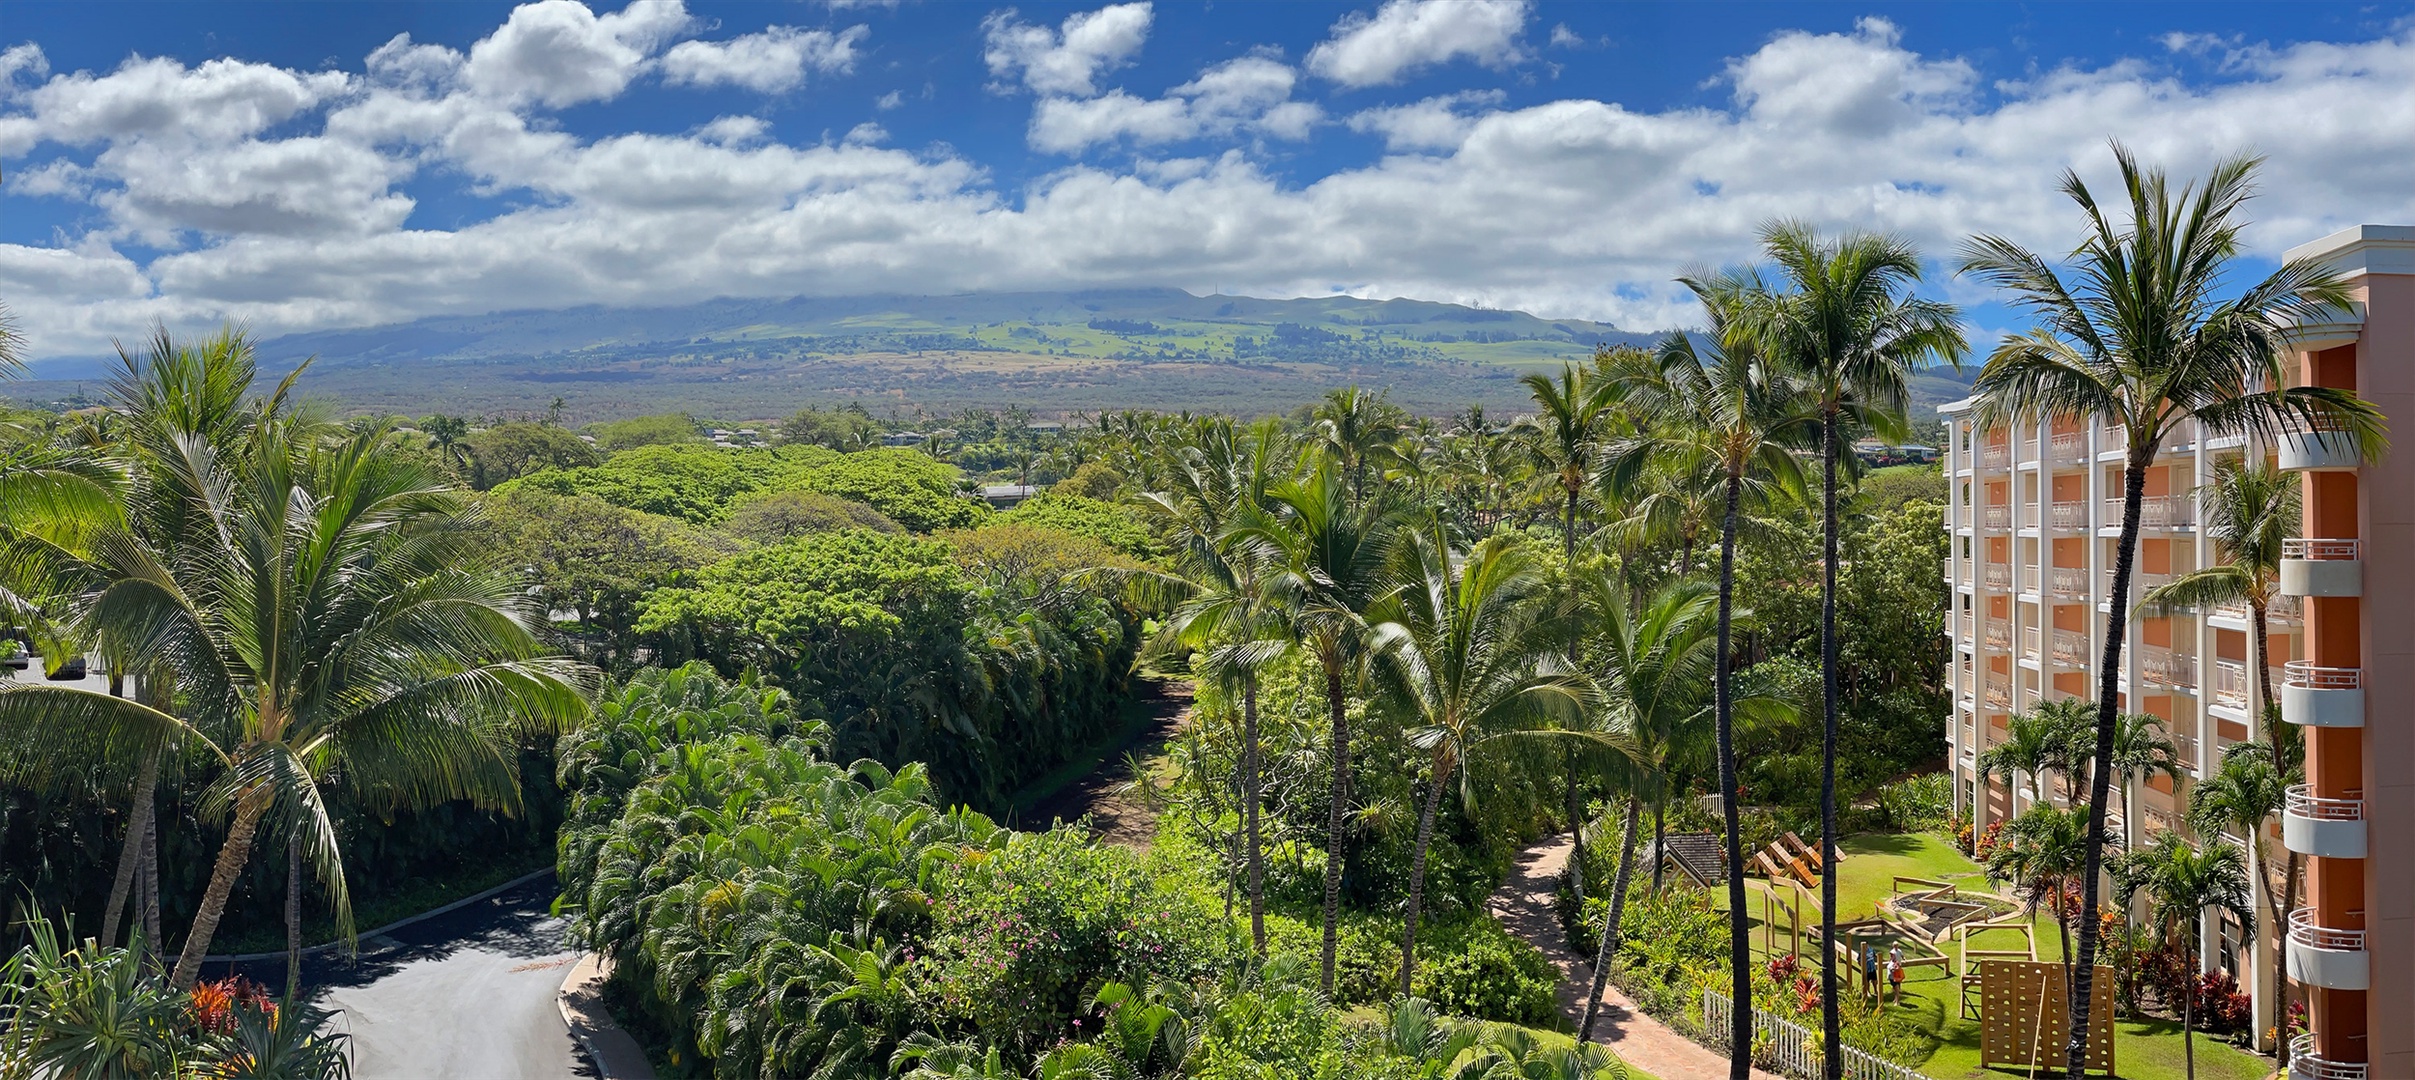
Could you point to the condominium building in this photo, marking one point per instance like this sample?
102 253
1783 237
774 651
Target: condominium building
2033 521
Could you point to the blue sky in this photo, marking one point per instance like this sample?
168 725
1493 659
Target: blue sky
306 165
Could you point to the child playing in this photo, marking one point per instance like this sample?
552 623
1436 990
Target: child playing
1895 972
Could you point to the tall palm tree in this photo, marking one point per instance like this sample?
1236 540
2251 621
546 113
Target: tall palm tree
2249 791
2140 750
2249 511
2146 335
1566 435
1327 555
2183 881
1724 403
1355 428
1462 651
2034 744
1851 327
2043 853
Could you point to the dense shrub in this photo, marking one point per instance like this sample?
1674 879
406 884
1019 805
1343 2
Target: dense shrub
1919 803
1104 522
772 517
912 488
704 484
664 429
1474 968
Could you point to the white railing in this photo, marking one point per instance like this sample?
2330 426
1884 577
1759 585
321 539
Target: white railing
1997 518
2319 549
2305 1064
2030 638
2029 514
2071 648
2029 579
2281 607
2300 673
1999 694
1995 456
2140 582
2303 802
2071 581
1998 634
2161 820
2068 447
2230 683
1997 575
2164 667
2181 435
2070 515
2184 746
2303 930
2158 512
1786 1047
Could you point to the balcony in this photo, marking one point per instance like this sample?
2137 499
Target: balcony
2070 515
2230 684
2140 582
2327 957
1996 636
2319 446
2030 640
1995 456
2067 448
2282 609
2070 582
2160 666
2330 828
2070 648
2305 1064
2029 580
1996 575
2322 696
2184 750
1995 518
2318 567
2162 512
1998 694
2181 438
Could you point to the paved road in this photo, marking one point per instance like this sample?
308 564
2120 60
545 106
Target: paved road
468 994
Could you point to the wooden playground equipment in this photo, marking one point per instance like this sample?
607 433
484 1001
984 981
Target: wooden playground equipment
2027 1016
1789 858
1973 994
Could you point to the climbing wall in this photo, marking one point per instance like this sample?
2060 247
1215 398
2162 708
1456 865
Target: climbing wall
2024 1018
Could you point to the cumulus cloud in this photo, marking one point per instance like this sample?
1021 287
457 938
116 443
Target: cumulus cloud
1246 93
1406 36
770 62
1069 59
558 52
25 59
230 189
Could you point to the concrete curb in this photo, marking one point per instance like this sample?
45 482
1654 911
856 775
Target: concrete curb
615 1054
456 905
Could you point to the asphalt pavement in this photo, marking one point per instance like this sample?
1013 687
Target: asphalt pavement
469 994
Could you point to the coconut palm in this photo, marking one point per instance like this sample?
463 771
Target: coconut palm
2244 796
2146 334
12 341
2182 882
1566 436
2249 511
1850 326
2049 738
1462 651
1326 555
1355 429
2042 854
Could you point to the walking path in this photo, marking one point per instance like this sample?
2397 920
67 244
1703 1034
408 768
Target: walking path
1523 904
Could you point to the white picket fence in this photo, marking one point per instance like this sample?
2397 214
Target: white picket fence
1791 1048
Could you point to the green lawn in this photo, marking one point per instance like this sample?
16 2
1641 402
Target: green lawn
2143 1049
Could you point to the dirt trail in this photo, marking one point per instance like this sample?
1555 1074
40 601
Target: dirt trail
1523 905
1114 818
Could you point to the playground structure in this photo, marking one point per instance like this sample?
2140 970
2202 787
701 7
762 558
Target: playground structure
1935 908
1917 918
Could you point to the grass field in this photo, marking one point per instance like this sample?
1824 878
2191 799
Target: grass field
2144 1049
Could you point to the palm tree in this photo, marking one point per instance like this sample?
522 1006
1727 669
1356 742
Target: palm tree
1354 427
324 611
2145 338
1851 328
2182 881
1566 435
2140 750
1326 554
1461 652
1723 403
2030 747
2244 796
2043 853
2249 511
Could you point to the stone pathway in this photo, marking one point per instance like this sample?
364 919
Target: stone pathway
1523 904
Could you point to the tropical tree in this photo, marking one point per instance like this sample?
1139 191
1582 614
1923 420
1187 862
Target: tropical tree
1854 333
2249 511
1327 553
2244 796
1462 651
2183 881
2043 853
2146 334
2048 738
2140 750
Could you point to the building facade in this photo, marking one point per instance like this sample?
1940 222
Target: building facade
2033 518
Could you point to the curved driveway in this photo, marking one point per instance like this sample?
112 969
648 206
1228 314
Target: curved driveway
469 994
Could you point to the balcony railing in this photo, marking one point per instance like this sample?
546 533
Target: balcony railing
2029 514
2184 745
2305 1064
2067 447
1998 694
1995 518
2029 579
1997 634
2305 674
2303 930
2071 648
2070 581
2140 582
2181 436
2030 638
2070 515
2158 820
2320 550
1997 575
2281 607
1995 456
2163 667
2157 512
2230 683
2304 803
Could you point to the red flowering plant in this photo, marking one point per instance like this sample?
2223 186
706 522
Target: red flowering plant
210 1006
1986 844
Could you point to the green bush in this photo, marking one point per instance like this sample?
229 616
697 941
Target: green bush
1106 523
666 429
1474 968
911 487
1918 804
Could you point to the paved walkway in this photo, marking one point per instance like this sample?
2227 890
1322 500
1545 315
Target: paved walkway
1523 904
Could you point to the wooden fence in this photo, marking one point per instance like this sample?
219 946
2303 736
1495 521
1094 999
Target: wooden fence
1790 1048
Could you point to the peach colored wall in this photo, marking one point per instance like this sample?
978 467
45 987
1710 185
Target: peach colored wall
2385 372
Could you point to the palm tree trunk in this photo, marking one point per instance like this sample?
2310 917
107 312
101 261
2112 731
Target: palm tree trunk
231 856
138 825
2108 700
2188 1040
2280 967
2271 706
1660 842
1739 938
1417 869
1249 810
293 914
1337 707
1608 948
146 890
1832 1031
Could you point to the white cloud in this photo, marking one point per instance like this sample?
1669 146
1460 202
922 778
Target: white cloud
1069 59
558 52
1437 123
1564 38
769 62
276 196
1249 93
25 59
889 101
1405 36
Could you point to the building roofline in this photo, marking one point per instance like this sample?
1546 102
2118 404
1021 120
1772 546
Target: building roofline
2364 249
1961 406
